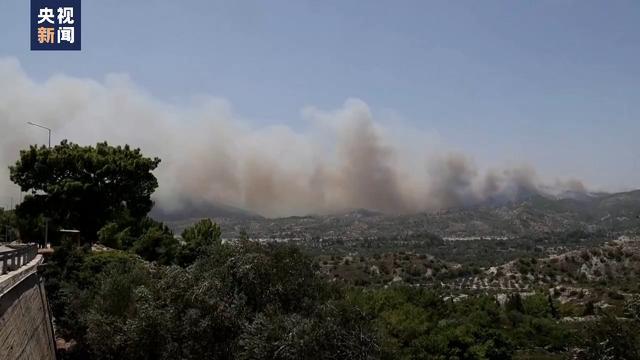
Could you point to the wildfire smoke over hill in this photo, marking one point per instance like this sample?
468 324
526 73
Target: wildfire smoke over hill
343 159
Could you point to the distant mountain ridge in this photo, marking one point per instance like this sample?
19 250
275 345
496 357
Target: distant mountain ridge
529 213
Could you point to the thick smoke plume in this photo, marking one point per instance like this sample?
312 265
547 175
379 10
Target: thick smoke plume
344 159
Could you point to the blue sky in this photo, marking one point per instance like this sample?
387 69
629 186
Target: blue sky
555 84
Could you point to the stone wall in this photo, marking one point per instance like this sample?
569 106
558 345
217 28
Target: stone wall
25 325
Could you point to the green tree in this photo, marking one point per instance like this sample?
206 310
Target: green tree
158 244
84 187
204 233
72 277
113 236
514 303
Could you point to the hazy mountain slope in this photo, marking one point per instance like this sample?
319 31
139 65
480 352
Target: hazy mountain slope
534 213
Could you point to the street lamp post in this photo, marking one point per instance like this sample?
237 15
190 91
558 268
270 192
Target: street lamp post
42 127
46 220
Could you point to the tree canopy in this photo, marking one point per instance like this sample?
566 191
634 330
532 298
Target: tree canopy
202 234
236 301
85 187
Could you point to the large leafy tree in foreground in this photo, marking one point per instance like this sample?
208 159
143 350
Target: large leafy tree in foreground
85 187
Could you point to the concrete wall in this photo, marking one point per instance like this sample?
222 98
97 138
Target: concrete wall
25 325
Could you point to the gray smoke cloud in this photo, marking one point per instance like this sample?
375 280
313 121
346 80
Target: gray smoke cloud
344 159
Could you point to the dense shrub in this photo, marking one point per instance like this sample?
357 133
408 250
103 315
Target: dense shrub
235 301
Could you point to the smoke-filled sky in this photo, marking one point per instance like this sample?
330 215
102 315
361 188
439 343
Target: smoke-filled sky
292 107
